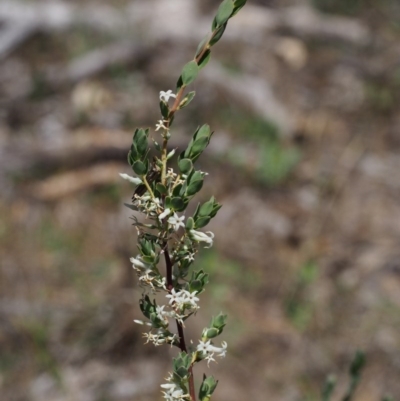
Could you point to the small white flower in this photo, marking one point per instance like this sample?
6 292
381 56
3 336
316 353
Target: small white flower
176 221
164 96
161 125
202 237
164 214
133 180
191 298
174 297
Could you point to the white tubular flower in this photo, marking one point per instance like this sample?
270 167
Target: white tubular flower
176 221
161 125
141 322
133 180
164 96
202 237
209 350
164 214
173 393
220 351
137 263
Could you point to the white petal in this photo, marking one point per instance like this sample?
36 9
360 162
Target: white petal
133 180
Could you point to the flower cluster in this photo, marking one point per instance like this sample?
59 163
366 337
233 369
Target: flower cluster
168 237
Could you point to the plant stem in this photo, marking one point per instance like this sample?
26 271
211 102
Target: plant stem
145 182
182 343
164 160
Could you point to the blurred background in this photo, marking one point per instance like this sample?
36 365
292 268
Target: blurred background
304 100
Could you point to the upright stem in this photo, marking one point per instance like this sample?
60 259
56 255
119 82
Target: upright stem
182 343
168 262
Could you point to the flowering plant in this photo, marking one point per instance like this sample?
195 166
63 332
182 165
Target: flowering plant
161 195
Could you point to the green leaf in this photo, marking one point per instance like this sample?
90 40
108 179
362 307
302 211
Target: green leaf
189 223
177 190
238 6
198 147
219 321
185 166
204 59
197 175
214 24
133 154
204 131
206 208
164 109
189 72
148 259
211 333
196 285
201 45
194 187
216 207
202 222
140 168
161 189
207 388
179 85
217 35
177 204
131 159
186 100
181 372
224 12
140 140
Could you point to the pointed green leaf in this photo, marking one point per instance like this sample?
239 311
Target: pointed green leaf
194 187
238 6
204 59
216 207
179 84
198 147
186 100
203 131
217 35
164 109
206 208
202 222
